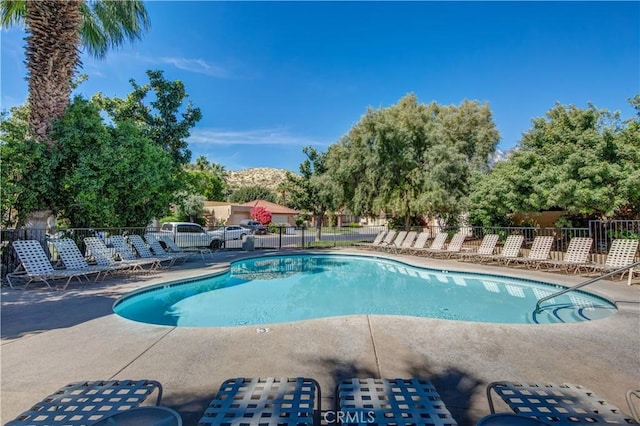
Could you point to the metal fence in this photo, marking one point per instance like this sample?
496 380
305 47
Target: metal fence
603 233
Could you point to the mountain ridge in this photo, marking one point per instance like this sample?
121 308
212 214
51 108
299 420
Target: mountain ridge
268 177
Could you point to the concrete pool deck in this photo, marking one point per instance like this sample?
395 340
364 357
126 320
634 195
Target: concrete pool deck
51 338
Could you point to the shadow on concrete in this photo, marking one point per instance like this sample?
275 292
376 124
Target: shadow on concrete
191 406
457 388
37 310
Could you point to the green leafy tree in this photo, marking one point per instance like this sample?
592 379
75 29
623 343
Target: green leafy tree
251 193
208 180
313 190
584 161
190 207
26 171
412 159
205 183
162 120
109 175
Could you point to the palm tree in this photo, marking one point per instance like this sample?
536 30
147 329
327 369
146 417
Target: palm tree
56 32
202 163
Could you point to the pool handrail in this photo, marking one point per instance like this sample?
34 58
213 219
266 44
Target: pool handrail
589 281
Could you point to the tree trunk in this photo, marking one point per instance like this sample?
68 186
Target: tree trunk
53 55
319 219
38 225
407 218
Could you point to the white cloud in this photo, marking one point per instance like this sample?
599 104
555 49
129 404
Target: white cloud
197 65
119 59
250 137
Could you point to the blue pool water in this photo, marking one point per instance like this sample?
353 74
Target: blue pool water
278 289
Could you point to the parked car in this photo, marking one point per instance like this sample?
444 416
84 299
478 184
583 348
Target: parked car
187 234
254 226
232 232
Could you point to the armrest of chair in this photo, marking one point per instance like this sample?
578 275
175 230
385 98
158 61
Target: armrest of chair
631 393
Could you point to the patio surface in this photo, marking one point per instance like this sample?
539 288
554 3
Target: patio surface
51 338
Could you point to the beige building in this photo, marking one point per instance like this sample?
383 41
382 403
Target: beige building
217 212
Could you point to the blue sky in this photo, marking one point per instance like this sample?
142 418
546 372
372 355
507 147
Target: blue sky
272 77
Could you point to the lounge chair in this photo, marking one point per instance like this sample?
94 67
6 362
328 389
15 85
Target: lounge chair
540 250
397 242
510 250
437 245
73 258
377 240
455 245
398 402
171 245
420 242
408 241
125 253
36 266
633 393
104 256
388 239
265 401
158 250
85 403
556 404
576 256
145 253
486 248
621 253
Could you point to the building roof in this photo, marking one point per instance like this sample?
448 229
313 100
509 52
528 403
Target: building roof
272 207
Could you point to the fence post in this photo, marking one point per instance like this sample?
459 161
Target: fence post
279 237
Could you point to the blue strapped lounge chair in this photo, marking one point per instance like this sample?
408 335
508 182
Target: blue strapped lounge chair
266 402
398 402
85 403
556 404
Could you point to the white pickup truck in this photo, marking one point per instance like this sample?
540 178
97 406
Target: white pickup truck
187 234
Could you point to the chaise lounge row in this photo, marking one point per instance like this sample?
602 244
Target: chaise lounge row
575 259
297 402
125 255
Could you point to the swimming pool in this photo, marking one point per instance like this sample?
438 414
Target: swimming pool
277 289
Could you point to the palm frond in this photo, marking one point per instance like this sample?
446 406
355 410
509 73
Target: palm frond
12 12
